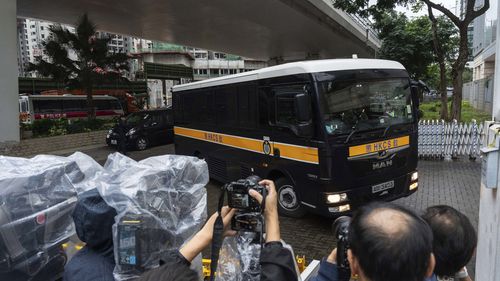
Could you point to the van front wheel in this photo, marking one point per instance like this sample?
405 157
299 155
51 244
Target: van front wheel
288 200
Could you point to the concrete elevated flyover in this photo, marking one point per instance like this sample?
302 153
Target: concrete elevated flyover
280 30
270 30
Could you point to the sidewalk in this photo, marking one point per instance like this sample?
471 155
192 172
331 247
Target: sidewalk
100 152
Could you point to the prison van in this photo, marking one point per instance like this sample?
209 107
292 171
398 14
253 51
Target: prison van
332 134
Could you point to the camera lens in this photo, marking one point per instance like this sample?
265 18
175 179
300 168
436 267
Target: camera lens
340 223
254 179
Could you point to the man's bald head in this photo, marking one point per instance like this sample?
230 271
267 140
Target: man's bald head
390 243
393 223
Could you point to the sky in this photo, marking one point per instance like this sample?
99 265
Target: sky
452 5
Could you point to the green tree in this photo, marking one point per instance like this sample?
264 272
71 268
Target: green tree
93 63
406 41
412 43
376 9
445 44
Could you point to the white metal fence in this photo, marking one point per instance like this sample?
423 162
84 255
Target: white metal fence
440 140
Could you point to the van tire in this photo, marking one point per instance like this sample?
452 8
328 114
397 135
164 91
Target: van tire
288 200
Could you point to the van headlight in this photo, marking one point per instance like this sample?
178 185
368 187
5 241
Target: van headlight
131 132
336 198
414 176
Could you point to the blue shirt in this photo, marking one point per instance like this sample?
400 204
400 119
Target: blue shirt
432 278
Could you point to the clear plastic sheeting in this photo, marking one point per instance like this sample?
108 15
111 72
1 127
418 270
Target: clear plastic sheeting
37 197
161 203
239 258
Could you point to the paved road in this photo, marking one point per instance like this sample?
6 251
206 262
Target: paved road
451 183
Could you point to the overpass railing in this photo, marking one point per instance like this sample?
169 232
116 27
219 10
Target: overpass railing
440 140
366 25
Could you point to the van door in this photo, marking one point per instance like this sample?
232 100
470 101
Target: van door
294 150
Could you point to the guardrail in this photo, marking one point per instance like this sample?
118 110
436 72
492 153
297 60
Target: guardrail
440 140
310 271
366 25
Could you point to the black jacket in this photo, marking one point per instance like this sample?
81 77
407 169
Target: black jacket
277 263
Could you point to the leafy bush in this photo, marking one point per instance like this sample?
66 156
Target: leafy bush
56 127
76 127
42 127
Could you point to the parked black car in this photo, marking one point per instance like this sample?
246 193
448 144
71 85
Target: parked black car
144 129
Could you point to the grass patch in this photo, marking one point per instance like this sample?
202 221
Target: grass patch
431 112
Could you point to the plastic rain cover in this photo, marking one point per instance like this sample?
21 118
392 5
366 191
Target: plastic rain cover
37 197
161 203
240 258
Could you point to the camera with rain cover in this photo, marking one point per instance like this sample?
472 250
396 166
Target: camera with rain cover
141 235
341 231
238 197
141 242
249 216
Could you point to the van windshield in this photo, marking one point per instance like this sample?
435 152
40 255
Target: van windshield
137 118
365 105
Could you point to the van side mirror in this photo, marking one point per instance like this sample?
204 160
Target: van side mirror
303 107
304 127
415 96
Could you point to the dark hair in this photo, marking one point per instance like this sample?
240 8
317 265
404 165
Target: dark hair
399 253
455 239
170 272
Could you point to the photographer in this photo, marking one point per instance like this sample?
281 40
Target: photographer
455 242
276 262
94 221
386 242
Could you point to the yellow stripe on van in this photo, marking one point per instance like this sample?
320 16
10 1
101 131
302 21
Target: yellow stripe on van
306 154
288 151
378 146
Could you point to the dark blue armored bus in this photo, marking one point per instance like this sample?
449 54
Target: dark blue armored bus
332 134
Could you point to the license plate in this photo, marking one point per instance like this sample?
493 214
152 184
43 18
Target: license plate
114 142
383 186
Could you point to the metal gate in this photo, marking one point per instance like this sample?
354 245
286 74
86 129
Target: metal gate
440 140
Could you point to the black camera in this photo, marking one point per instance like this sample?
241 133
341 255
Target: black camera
238 197
249 216
249 222
141 242
341 231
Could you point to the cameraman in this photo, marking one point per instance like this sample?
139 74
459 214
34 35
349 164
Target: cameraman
94 221
386 243
276 261
455 242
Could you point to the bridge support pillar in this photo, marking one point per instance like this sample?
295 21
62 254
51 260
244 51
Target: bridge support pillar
9 105
488 250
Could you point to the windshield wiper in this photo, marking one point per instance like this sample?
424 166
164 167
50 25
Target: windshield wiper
391 125
387 130
354 130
